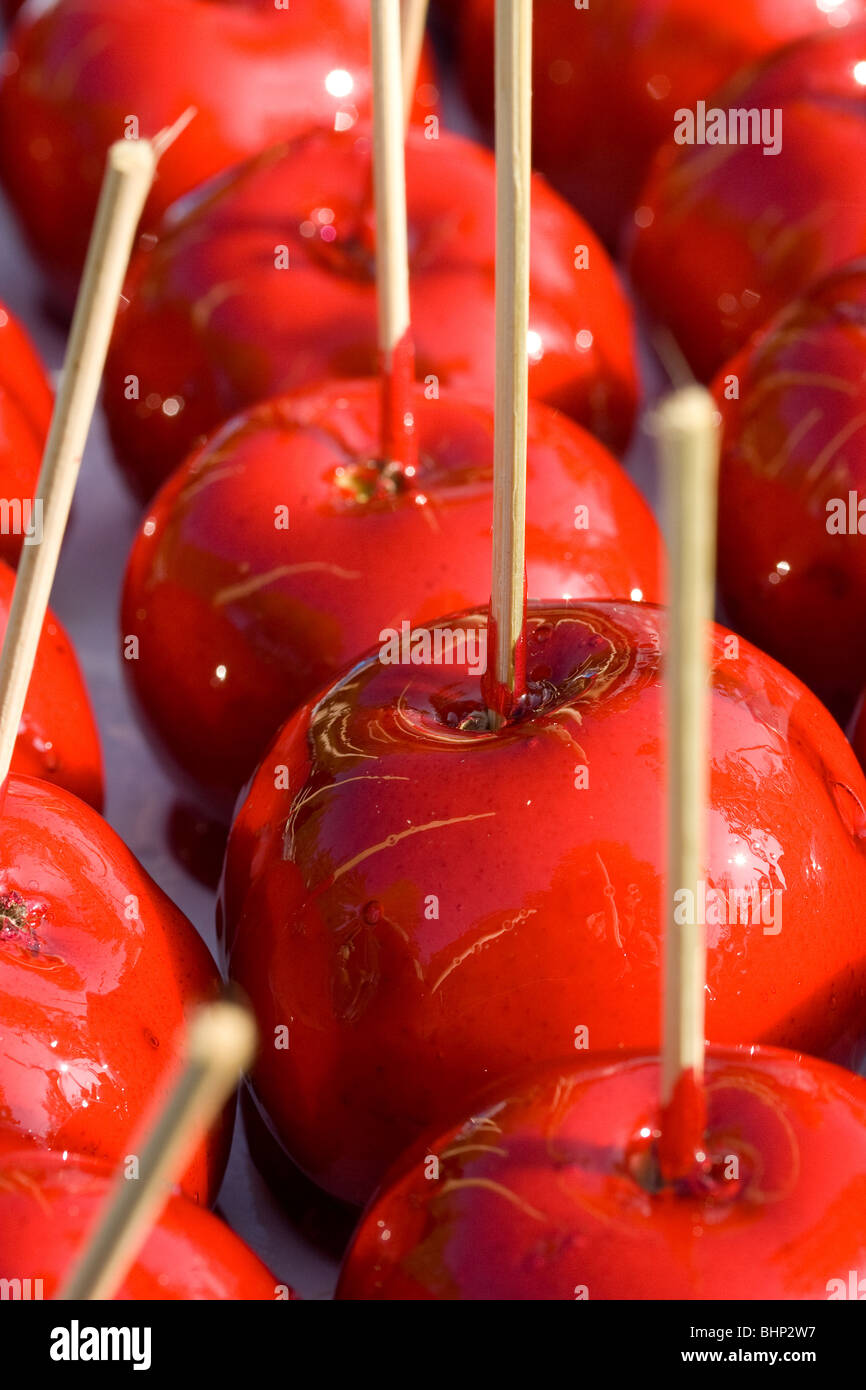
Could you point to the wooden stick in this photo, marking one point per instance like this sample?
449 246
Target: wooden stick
513 172
396 351
389 176
672 358
413 20
689 448
166 137
221 1046
129 173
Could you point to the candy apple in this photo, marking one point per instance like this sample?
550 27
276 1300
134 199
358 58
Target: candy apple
25 414
282 550
431 906
268 285
82 73
98 973
760 220
608 78
50 1201
58 739
544 1194
22 376
791 518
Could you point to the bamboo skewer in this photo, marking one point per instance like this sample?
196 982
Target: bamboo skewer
513 193
396 350
689 448
413 21
164 139
389 176
129 173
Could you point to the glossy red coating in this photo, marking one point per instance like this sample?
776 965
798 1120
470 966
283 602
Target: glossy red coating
398 439
25 413
58 739
429 907
727 235
98 973
49 1205
216 322
608 77
76 75
682 1129
504 698
281 552
538 1197
792 555
22 375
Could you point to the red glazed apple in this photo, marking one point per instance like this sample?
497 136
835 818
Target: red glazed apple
792 506
79 74
22 375
540 1196
25 414
727 234
58 739
98 973
268 285
430 906
278 554
608 77
49 1203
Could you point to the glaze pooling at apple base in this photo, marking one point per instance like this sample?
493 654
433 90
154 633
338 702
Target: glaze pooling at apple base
518 881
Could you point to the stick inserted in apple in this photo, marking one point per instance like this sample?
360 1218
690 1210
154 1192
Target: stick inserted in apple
418 904
732 1175
318 524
